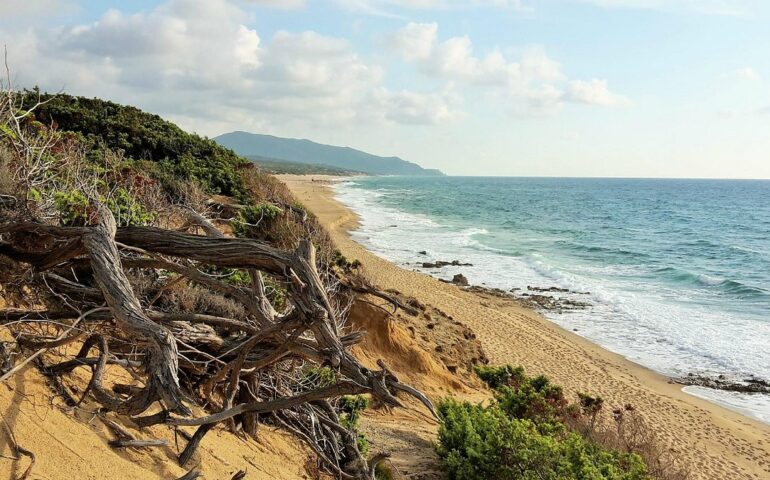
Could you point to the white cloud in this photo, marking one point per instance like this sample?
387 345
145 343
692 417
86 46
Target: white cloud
533 82
18 8
409 107
706 7
198 61
746 73
595 92
388 7
287 4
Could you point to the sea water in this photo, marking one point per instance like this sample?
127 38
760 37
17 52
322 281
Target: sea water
677 272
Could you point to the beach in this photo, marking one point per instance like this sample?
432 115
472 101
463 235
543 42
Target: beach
715 442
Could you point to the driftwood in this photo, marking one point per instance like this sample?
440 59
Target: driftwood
244 370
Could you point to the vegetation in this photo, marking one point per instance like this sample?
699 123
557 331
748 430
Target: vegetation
530 431
282 167
101 125
146 156
251 328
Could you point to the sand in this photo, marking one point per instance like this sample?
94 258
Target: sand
715 442
72 443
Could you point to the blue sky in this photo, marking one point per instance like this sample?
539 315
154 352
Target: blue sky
650 88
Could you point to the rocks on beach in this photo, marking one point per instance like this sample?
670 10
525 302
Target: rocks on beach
460 279
537 301
721 382
442 263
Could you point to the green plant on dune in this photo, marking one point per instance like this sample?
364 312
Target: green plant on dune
522 435
350 408
74 207
256 216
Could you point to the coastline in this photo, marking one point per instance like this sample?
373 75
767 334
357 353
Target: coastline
715 441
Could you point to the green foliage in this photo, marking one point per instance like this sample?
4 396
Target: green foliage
5 130
319 377
534 398
350 408
275 292
339 260
520 436
74 206
383 472
237 277
253 216
590 405
496 377
142 136
280 167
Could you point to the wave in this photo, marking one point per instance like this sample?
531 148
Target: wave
619 252
721 285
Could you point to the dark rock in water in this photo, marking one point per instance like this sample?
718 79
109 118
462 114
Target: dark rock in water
746 385
548 289
442 263
460 279
535 301
422 252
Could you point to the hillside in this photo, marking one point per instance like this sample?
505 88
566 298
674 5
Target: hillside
306 151
283 167
143 266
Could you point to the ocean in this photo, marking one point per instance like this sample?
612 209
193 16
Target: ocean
676 272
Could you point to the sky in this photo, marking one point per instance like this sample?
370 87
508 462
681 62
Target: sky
621 88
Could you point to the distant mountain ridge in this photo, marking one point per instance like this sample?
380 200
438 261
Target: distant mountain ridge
306 151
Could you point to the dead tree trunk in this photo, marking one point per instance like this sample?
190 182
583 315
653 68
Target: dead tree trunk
247 369
161 361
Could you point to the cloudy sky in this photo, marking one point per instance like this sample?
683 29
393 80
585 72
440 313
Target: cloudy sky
642 88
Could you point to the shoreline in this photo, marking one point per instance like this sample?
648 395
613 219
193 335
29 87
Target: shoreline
715 441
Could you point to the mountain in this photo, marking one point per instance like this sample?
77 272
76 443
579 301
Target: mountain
306 151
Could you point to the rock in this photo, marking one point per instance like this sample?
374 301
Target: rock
460 279
721 382
422 252
443 263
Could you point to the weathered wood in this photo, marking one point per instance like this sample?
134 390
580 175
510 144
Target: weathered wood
335 390
242 367
124 443
161 362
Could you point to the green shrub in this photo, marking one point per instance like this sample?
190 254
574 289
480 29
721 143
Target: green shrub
339 260
521 436
101 125
534 399
496 377
478 442
383 472
350 408
74 207
319 377
253 216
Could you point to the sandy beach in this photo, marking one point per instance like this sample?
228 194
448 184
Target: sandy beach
716 443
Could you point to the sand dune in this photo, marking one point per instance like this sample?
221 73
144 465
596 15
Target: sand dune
715 442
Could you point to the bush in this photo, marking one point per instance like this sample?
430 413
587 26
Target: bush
350 408
521 435
74 208
102 125
496 377
255 216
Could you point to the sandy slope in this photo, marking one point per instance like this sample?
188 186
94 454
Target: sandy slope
715 442
66 448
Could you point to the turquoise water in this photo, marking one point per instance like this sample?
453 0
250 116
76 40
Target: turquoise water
677 271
